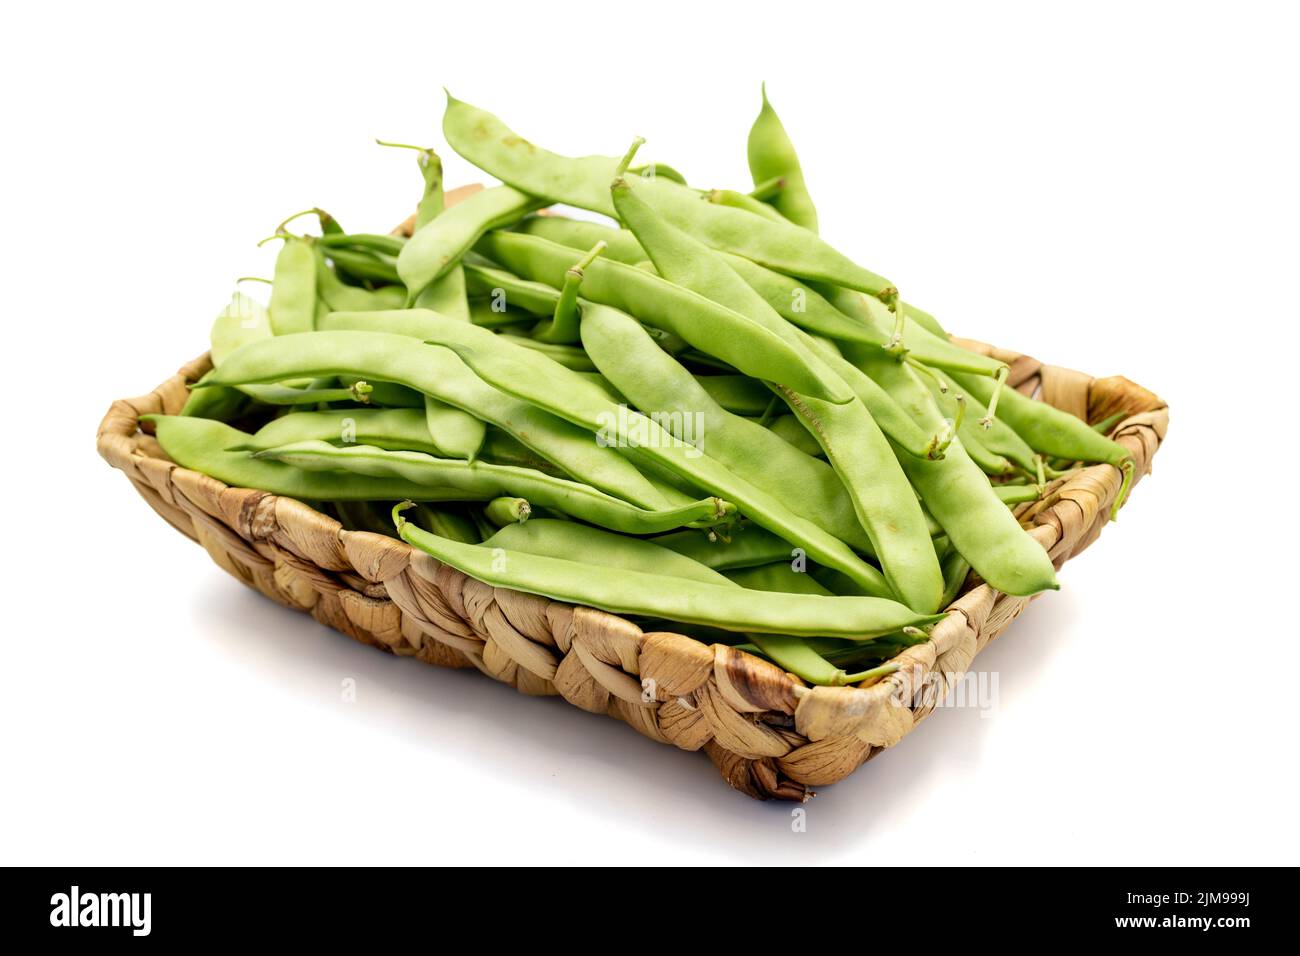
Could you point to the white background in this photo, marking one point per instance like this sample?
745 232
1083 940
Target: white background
1113 189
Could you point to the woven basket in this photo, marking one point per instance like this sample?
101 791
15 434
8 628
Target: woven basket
767 732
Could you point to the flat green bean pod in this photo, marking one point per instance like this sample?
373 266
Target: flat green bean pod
772 156
745 545
780 578
375 242
506 290
483 482
458 433
506 511
447 294
293 291
203 445
360 391
738 200
364 264
790 429
243 320
620 244
738 394
1016 494
635 592
439 246
400 429
571 541
338 295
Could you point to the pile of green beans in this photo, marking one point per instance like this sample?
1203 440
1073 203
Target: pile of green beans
696 412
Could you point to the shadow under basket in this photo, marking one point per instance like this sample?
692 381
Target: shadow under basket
768 733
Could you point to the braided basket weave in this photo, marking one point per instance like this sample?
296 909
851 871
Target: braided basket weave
767 732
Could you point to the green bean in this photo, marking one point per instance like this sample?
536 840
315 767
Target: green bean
780 578
834 581
243 320
729 197
483 482
448 294
659 386
376 517
568 356
1054 432
654 301
224 404
534 378
309 395
771 155
549 538
746 545
203 445
506 511
955 570
790 429
885 505
604 384
958 494
387 394
364 264
293 293
738 394
636 592
365 516
794 654
563 326
439 373
1016 494
384 245
804 656
329 226
507 290
338 295
620 244
442 522
439 246
489 314
489 144
399 429
565 540
1104 426
458 433
502 448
